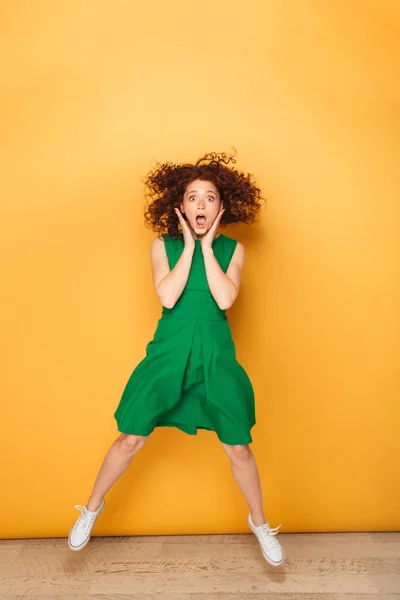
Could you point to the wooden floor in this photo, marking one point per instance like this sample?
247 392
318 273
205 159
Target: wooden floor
333 566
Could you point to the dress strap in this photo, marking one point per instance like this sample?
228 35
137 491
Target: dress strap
229 247
172 247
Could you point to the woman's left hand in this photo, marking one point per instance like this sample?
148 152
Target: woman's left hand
207 240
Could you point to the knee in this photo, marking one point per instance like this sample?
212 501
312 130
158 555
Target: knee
131 443
238 454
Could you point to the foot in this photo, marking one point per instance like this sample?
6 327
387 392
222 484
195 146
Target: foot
270 547
80 533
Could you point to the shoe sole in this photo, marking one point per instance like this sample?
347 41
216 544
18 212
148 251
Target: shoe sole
76 548
271 562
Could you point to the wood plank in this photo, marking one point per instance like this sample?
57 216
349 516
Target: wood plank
234 582
339 566
54 567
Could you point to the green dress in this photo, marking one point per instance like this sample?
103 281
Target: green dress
190 378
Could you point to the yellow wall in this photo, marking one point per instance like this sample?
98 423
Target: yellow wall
92 94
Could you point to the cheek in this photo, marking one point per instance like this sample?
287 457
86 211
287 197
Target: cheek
190 209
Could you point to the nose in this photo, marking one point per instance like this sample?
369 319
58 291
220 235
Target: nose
201 203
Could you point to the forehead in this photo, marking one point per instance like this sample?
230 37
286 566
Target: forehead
201 186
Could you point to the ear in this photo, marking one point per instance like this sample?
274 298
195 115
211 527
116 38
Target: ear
181 208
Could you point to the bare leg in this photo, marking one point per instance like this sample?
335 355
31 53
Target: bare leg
245 472
116 461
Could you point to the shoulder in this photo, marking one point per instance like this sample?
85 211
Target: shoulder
164 244
238 255
158 241
234 246
235 255
239 248
157 247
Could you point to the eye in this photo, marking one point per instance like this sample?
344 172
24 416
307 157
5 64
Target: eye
211 198
192 197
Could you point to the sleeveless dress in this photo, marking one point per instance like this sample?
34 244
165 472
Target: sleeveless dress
190 378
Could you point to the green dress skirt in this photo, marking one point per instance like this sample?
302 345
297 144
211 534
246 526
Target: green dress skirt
190 377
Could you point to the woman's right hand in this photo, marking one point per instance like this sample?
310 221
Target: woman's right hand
187 232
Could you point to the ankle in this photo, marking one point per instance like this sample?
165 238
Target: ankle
258 519
94 504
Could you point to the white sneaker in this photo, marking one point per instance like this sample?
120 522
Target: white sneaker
80 532
270 547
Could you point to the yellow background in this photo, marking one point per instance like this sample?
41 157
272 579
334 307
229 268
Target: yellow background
93 93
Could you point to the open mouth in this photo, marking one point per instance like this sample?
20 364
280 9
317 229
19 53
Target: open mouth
201 221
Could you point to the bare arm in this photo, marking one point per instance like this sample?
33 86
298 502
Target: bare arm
224 286
169 284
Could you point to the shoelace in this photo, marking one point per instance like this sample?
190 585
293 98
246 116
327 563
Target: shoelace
267 535
85 520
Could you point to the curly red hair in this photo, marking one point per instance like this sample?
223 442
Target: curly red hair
166 185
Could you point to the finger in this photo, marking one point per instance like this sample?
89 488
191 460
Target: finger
182 221
180 217
220 213
218 218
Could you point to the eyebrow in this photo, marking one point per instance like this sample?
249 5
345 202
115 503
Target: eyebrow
207 192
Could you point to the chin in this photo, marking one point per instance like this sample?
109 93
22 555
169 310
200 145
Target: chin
199 232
